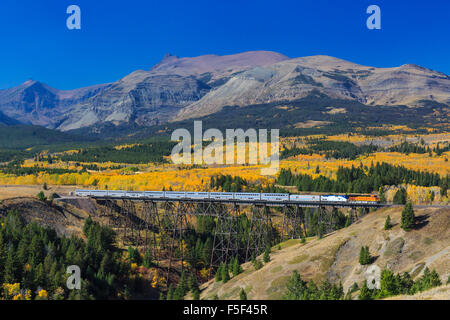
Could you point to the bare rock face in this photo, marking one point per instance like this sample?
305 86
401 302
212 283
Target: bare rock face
156 96
141 97
296 78
183 88
36 103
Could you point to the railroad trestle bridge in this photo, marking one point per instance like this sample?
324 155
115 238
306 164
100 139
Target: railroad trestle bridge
161 224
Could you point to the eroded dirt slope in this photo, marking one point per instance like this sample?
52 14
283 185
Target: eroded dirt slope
65 218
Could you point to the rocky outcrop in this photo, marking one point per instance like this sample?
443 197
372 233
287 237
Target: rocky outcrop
296 78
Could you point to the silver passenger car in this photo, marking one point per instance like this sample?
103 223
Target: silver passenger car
221 195
135 194
197 195
117 194
175 195
304 198
98 193
275 196
154 194
82 193
247 196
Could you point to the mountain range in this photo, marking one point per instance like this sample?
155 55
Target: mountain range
177 89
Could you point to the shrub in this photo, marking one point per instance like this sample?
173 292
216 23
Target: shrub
41 196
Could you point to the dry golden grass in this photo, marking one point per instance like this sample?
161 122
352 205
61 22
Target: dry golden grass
439 293
335 257
13 191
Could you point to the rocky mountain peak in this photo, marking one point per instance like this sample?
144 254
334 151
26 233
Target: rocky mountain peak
29 82
168 56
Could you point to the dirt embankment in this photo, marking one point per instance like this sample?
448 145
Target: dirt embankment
65 218
335 257
14 191
66 215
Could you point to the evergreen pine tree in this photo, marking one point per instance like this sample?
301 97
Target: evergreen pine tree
347 222
435 281
242 295
266 257
148 258
183 284
303 240
387 223
400 196
320 230
219 273
408 217
192 283
133 255
39 276
196 294
236 268
382 195
225 273
11 268
364 255
41 196
388 284
444 187
3 257
354 287
365 293
296 287
170 293
348 295
87 226
178 293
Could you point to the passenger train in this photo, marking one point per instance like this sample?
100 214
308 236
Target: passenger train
268 197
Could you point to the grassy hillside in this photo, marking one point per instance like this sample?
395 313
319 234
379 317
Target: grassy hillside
335 257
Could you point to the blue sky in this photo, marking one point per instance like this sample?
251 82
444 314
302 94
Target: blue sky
118 37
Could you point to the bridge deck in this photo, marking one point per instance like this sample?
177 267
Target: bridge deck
252 202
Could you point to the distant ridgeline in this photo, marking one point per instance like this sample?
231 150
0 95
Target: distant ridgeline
136 154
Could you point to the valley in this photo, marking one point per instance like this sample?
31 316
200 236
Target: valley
344 129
